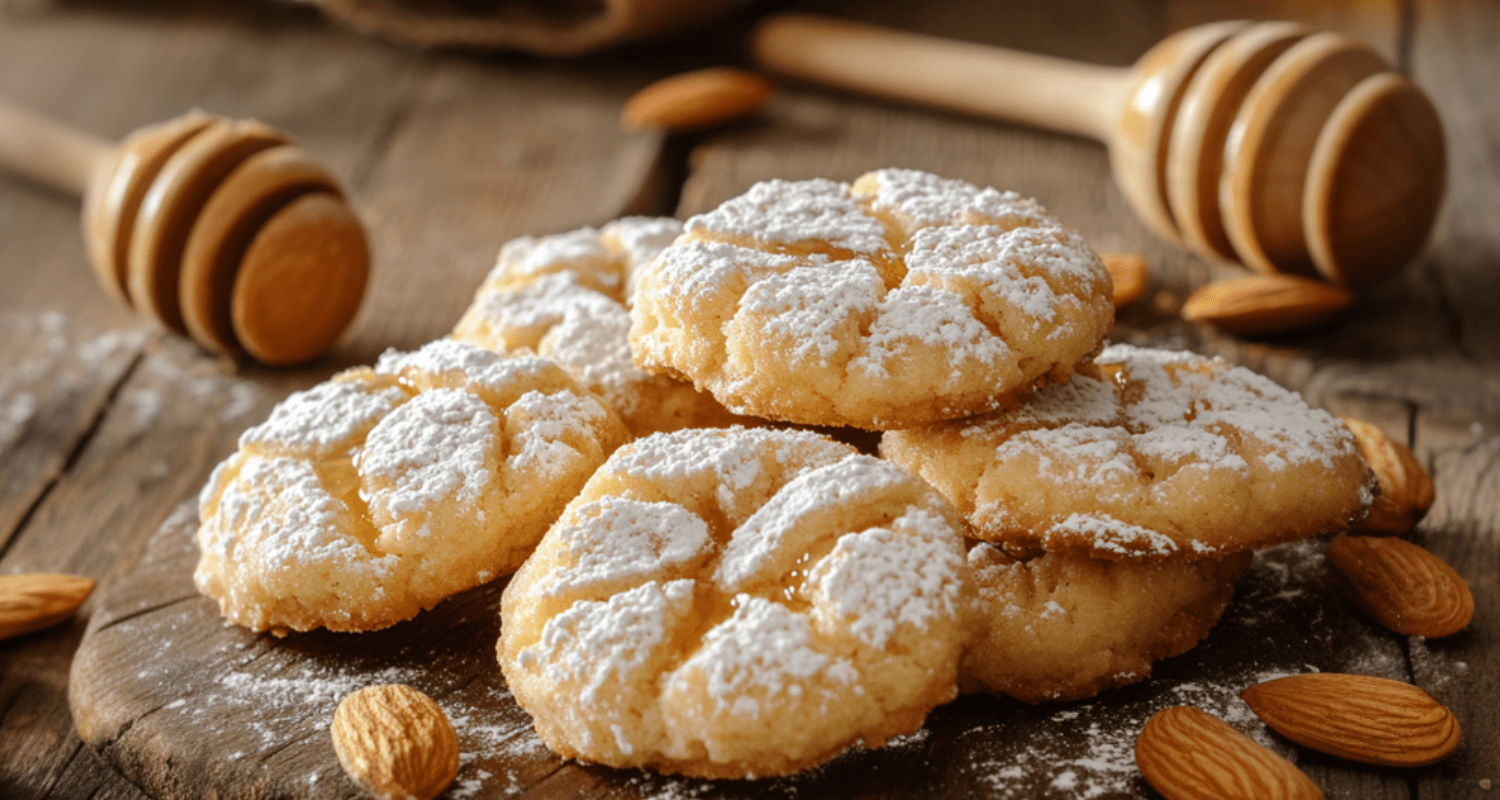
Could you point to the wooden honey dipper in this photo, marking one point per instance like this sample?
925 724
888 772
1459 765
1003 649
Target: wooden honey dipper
1269 143
217 228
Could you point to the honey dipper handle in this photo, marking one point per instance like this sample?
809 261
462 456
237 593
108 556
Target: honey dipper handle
49 151
1021 87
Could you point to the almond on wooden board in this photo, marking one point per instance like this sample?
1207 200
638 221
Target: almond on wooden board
1405 487
39 600
696 100
1129 273
1258 305
1400 585
1187 754
1357 717
395 742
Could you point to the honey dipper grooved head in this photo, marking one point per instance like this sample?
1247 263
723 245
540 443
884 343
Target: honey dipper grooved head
222 230
1283 148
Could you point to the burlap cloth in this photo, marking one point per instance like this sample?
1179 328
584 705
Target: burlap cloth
544 27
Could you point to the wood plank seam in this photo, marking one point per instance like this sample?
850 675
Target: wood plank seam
144 611
75 451
79 751
1451 318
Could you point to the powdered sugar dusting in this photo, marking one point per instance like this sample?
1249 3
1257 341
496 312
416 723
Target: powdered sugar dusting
1180 405
618 543
1149 452
941 320
897 296
919 198
879 580
326 417
709 582
436 447
816 313
762 652
1113 535
781 212
366 499
783 529
580 252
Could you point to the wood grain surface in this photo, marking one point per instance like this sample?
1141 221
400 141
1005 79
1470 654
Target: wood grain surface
108 426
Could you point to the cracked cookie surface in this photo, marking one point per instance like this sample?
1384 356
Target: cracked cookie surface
566 297
1155 454
374 495
900 300
738 603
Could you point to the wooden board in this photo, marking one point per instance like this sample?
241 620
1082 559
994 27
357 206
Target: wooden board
106 425
186 706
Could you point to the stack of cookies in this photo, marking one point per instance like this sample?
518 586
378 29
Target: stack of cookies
733 594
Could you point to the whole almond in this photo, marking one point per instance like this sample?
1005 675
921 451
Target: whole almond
1370 720
1405 487
39 600
696 100
395 742
1129 275
1400 585
1187 754
1258 305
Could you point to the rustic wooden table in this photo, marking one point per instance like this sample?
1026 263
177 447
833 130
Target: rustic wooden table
108 425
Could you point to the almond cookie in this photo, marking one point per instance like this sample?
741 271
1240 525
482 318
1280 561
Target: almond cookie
374 495
564 297
736 603
1064 626
1155 454
901 300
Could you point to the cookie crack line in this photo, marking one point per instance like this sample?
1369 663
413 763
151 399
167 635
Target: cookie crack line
838 599
904 298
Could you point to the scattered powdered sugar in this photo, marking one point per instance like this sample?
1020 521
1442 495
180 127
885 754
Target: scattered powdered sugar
306 688
18 410
55 357
1089 751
